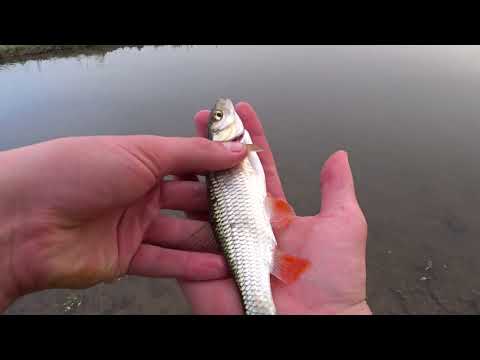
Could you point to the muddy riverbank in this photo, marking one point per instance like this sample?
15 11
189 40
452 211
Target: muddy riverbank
22 53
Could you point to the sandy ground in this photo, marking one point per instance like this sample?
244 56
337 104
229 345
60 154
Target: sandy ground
431 291
129 296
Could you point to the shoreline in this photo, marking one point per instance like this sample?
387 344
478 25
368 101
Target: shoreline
23 53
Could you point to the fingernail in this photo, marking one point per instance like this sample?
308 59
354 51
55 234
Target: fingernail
234 146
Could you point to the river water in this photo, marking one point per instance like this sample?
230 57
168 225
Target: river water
408 115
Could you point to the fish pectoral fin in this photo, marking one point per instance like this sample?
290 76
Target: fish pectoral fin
253 148
280 212
288 268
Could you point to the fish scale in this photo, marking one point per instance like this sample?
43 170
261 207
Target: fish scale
244 233
241 219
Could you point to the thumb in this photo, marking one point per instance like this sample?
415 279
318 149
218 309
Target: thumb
337 185
177 155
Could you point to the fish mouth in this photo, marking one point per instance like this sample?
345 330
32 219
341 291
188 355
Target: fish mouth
239 137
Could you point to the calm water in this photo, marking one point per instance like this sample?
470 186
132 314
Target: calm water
408 115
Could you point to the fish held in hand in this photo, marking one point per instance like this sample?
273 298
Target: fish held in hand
242 213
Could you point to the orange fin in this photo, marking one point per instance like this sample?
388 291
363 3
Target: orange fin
280 211
288 268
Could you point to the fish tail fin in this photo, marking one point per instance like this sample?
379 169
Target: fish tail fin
288 268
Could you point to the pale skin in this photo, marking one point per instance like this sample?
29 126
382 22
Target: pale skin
79 211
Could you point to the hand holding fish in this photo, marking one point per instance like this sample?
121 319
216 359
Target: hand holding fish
79 211
333 242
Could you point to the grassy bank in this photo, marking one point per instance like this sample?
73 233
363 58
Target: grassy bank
14 53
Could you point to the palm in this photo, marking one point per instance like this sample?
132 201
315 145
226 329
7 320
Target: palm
336 279
77 216
97 215
335 282
334 241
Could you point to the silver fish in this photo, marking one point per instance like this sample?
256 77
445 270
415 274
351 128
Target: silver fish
241 215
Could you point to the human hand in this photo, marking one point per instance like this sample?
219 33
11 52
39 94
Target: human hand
79 211
334 241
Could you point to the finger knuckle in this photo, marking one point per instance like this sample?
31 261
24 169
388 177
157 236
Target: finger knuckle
357 215
198 192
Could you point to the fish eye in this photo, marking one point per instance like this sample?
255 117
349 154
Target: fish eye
218 115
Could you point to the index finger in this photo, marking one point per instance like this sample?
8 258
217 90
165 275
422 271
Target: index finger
253 125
